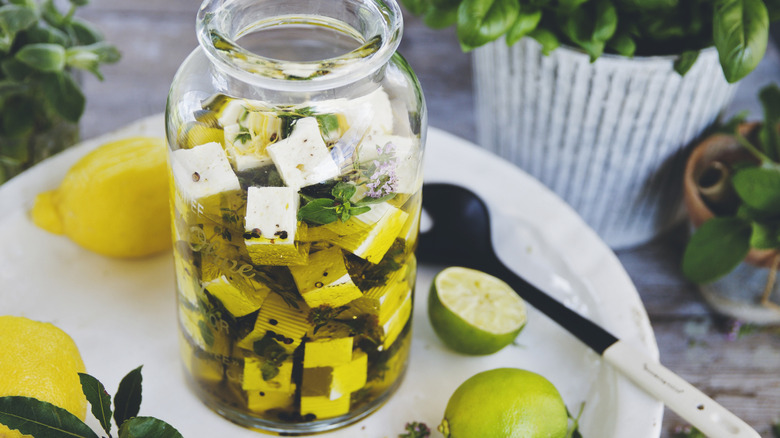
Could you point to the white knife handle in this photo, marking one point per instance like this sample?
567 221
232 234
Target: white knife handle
694 406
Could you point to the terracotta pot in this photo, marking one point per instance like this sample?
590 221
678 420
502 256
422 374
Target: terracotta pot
724 149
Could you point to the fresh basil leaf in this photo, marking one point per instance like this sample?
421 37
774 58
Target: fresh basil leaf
319 212
98 399
569 5
127 401
64 95
623 44
685 61
591 26
716 248
344 191
416 7
759 188
527 20
483 21
741 33
438 18
769 136
147 427
443 5
764 236
42 419
547 39
43 57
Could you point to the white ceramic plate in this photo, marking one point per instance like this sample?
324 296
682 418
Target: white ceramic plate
122 313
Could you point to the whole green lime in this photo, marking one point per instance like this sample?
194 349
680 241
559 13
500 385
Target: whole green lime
505 403
473 312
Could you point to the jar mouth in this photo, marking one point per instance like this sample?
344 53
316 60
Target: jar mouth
374 25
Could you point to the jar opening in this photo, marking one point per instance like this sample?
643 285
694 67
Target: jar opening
314 44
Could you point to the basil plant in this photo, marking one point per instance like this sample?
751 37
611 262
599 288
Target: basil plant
739 29
753 221
41 51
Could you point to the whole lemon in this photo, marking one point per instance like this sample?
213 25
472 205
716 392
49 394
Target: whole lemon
505 403
41 361
114 201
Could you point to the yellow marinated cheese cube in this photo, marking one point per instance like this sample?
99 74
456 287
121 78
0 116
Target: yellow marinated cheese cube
382 301
253 376
327 352
393 327
325 280
369 235
261 401
271 226
240 296
323 407
336 381
276 315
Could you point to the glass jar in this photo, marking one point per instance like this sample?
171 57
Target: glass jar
296 135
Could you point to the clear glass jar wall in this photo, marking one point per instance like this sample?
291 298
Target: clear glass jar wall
296 135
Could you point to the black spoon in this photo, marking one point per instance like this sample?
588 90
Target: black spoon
460 236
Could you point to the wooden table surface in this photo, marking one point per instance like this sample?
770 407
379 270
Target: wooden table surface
741 373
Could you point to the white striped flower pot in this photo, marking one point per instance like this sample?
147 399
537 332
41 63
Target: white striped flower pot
608 137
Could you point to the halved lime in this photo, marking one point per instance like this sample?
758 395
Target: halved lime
473 312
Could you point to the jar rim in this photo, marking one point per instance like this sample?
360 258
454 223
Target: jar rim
220 43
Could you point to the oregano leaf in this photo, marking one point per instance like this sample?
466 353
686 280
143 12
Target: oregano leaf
42 419
98 399
127 401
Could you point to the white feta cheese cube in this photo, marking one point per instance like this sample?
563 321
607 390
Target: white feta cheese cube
303 158
203 171
271 213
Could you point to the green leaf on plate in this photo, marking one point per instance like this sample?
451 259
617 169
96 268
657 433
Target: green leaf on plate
127 401
147 427
98 399
41 419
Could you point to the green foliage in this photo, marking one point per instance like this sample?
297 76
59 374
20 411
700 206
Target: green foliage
739 29
39 418
41 48
721 243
